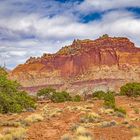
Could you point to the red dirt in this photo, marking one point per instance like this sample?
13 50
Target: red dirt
56 127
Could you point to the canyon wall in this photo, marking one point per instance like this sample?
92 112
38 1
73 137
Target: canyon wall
85 65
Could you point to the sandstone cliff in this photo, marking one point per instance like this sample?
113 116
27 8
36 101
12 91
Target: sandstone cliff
104 63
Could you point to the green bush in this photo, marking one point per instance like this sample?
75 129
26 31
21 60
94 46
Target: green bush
11 98
130 89
109 100
46 92
55 96
99 94
76 98
104 36
108 97
61 97
25 100
2 71
121 110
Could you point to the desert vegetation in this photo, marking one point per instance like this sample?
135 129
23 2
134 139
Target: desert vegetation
57 96
130 89
67 116
109 100
12 99
104 36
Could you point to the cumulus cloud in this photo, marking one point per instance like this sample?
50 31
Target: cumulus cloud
37 27
103 5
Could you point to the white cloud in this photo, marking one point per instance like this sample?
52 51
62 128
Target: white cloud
24 35
103 5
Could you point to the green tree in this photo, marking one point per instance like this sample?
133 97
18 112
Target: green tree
46 92
11 98
130 89
76 98
99 94
104 36
109 100
61 97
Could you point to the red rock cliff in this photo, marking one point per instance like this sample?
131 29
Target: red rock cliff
105 62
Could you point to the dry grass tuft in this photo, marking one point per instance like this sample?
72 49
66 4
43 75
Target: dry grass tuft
10 124
66 137
80 133
33 118
51 112
13 134
90 118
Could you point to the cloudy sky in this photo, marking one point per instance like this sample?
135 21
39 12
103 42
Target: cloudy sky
33 27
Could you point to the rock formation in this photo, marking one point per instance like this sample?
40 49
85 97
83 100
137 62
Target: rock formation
105 63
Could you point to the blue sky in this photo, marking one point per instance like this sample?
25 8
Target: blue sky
33 27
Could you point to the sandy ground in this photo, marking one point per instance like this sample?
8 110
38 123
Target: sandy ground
55 127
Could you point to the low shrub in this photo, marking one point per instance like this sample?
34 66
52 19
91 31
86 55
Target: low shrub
121 110
16 102
76 98
136 110
99 94
84 138
80 133
46 92
104 36
61 97
108 111
90 118
10 124
109 100
33 118
13 134
55 96
130 89
12 99
51 112
66 137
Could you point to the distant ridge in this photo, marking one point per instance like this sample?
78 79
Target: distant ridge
112 61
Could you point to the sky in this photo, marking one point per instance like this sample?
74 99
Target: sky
33 27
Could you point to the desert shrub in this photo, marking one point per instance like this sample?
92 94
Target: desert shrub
82 134
15 102
61 97
99 94
108 97
33 118
121 110
46 92
66 137
136 110
10 123
130 89
104 36
25 100
55 96
49 112
14 134
90 118
11 98
109 100
76 98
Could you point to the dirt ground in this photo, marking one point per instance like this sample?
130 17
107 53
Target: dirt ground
54 127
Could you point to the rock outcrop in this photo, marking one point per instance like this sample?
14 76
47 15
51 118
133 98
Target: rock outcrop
104 63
